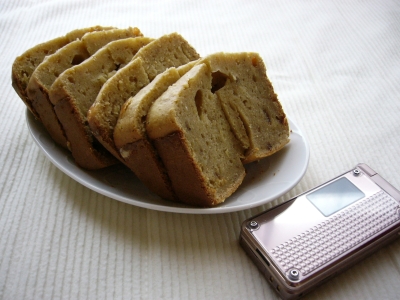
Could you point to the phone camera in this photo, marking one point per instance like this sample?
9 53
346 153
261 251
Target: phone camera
294 274
356 172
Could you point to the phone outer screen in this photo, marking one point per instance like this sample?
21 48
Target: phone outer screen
335 196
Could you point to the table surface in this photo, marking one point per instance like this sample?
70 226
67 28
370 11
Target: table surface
335 66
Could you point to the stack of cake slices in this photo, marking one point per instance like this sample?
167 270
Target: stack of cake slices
184 124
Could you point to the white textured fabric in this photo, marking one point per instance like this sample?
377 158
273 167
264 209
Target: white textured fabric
335 66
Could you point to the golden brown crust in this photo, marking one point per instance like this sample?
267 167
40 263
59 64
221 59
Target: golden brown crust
144 161
185 174
41 102
86 152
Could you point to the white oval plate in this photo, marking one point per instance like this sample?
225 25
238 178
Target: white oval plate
265 181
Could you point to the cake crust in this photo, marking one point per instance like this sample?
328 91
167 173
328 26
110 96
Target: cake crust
188 180
142 158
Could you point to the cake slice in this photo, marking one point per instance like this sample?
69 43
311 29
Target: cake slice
170 50
249 102
75 90
130 135
53 65
26 63
194 140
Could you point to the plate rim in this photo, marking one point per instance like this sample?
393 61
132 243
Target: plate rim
32 122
